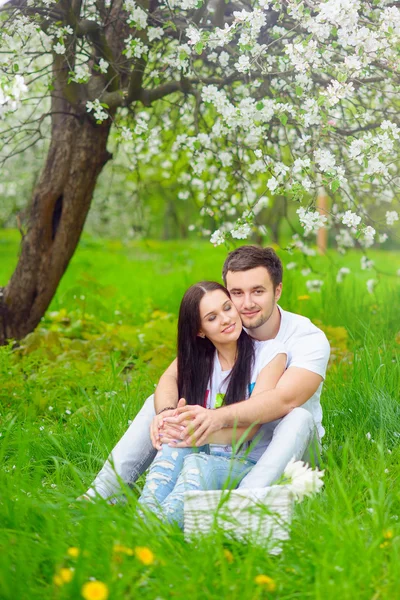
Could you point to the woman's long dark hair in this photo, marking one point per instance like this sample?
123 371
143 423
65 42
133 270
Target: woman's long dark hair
196 355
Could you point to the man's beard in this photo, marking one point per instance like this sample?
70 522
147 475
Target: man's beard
260 321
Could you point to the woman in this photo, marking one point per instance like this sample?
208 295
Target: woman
218 364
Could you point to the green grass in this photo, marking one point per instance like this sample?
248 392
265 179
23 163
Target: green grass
68 393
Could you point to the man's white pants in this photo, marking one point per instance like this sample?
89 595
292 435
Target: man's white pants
294 437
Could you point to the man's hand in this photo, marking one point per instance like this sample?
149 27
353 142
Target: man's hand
162 432
202 423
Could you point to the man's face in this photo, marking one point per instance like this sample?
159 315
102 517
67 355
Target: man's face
253 294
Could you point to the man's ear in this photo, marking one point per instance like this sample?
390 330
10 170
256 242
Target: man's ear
278 291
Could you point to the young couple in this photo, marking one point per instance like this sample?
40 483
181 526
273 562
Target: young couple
261 387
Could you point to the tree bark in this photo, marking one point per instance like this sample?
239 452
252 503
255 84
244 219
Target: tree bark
59 206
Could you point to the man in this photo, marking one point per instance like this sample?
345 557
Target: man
291 413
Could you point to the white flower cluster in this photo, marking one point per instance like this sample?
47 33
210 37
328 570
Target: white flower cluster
351 219
314 285
137 17
311 220
303 481
342 273
81 74
11 94
98 110
391 217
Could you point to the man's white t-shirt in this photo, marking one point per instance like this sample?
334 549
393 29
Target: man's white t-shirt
307 348
264 353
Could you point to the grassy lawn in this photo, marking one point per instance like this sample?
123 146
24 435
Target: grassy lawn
69 391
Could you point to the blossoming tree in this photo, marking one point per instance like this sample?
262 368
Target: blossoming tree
255 99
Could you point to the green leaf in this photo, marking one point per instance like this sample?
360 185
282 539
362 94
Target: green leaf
15 67
335 185
259 105
170 24
283 119
199 47
299 90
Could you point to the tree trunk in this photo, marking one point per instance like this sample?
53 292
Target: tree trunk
57 213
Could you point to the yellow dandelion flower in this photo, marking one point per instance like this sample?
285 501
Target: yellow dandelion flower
94 590
144 554
57 580
66 575
228 555
266 582
388 534
384 544
73 552
305 297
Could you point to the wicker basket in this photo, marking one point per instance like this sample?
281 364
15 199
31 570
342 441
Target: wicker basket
259 516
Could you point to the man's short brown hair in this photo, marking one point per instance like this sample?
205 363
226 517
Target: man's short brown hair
251 257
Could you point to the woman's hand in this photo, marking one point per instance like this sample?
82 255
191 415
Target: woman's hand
196 423
162 432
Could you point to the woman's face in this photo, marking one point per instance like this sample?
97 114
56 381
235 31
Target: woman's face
220 321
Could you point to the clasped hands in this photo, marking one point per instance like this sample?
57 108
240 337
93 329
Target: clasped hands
185 426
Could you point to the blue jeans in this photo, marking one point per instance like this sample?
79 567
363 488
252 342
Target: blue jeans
178 470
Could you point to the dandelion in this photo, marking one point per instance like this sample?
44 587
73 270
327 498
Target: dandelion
384 544
267 582
94 590
228 555
57 580
388 534
304 297
145 555
73 552
66 574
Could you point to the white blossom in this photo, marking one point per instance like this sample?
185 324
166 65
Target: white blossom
391 217
59 48
241 231
103 65
343 271
303 481
351 219
98 111
366 263
155 33
314 285
325 159
217 238
311 220
369 235
371 283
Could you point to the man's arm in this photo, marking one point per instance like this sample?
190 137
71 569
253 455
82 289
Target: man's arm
293 389
166 394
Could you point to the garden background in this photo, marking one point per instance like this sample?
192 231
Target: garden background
156 128
70 389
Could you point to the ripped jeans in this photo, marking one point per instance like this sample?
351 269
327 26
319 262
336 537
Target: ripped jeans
175 471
